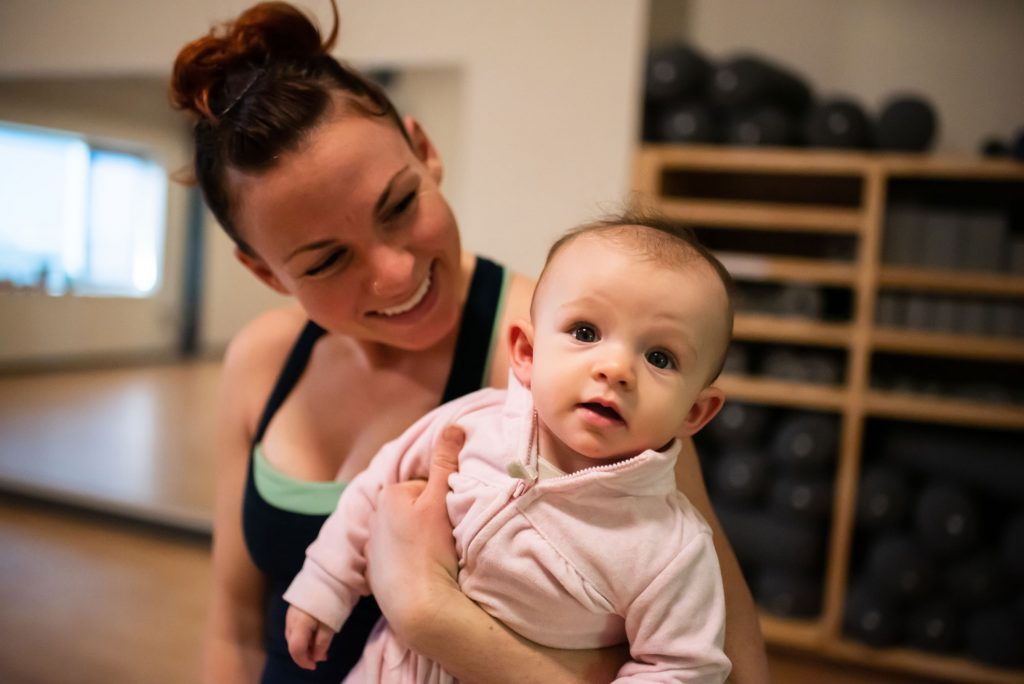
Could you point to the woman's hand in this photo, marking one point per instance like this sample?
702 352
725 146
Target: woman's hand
411 550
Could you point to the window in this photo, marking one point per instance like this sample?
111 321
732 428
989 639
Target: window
78 218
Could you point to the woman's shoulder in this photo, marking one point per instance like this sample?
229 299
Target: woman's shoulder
520 292
267 339
254 359
516 307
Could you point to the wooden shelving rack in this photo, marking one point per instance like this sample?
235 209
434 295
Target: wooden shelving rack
855 400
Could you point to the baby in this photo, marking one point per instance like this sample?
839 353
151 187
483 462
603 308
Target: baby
567 521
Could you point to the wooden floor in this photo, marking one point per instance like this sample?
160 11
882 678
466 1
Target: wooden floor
91 598
137 441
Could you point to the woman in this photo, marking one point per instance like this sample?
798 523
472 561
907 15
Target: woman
333 199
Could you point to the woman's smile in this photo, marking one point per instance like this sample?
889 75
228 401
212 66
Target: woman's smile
415 307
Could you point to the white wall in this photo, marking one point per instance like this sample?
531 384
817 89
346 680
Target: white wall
966 56
547 101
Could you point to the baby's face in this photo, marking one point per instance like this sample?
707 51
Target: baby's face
622 347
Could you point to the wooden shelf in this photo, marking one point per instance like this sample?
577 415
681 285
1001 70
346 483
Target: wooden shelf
763 328
783 393
761 215
934 409
758 267
956 282
956 669
791 632
763 160
926 343
829 162
957 168
799 195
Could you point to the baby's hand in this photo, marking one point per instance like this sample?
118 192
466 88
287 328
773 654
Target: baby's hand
308 638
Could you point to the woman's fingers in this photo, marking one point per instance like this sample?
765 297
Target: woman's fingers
444 461
411 548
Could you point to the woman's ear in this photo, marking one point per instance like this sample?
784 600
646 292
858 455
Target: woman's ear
260 269
709 402
424 148
520 351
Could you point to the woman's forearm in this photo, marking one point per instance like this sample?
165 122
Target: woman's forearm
744 644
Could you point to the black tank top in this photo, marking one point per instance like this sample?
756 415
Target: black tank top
277 538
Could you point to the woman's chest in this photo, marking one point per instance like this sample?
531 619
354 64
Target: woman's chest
331 425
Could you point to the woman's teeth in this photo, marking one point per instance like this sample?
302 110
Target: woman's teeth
410 303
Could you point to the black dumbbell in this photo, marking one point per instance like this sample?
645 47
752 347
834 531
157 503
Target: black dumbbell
823 369
1011 546
784 363
1017 148
802 497
994 466
899 568
838 123
763 539
676 71
946 520
994 147
870 618
978 582
737 359
740 475
996 637
787 594
906 124
745 82
765 126
738 424
883 497
801 301
687 122
806 441
935 626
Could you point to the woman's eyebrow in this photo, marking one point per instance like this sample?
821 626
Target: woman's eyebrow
383 199
319 244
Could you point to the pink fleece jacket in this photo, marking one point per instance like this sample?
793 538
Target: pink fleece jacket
598 557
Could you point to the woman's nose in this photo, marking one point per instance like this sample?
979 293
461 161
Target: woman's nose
391 270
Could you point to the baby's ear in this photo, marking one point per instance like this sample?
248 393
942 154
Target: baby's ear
709 402
520 350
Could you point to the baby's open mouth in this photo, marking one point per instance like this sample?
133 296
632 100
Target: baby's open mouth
602 410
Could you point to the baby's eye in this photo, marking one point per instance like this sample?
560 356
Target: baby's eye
660 359
583 333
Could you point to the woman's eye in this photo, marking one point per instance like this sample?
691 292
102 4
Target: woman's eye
329 261
402 205
583 333
660 359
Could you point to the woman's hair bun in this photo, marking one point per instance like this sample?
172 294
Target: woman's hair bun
261 35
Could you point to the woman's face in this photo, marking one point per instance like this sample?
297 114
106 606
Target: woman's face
354 226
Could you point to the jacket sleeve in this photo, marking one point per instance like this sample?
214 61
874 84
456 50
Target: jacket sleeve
333 576
676 624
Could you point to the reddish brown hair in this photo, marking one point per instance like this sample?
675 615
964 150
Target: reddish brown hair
255 87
